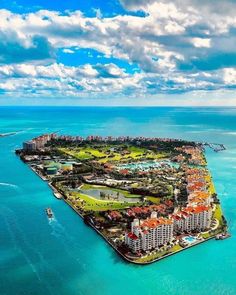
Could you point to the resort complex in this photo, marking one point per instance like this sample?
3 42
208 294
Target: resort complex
147 197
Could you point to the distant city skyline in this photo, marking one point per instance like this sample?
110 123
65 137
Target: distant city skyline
118 52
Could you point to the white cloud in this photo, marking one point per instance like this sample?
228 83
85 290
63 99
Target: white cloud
229 76
169 45
201 42
68 50
64 80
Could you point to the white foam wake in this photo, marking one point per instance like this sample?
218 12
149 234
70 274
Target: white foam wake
9 184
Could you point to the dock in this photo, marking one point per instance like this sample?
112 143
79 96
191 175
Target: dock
216 147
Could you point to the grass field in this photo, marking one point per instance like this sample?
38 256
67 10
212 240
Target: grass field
154 200
87 203
157 255
83 153
218 214
111 153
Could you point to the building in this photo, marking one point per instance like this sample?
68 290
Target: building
39 142
29 145
154 232
150 233
67 166
200 198
193 218
51 170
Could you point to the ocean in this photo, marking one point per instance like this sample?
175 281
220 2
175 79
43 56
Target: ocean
64 256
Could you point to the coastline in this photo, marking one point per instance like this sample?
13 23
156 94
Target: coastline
76 258
116 250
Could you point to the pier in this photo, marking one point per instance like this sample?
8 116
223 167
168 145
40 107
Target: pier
216 147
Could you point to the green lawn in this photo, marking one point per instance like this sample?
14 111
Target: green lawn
83 153
87 202
157 255
154 200
218 214
104 154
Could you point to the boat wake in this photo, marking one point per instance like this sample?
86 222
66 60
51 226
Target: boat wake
9 185
57 229
23 131
33 256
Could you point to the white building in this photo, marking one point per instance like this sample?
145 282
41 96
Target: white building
149 234
193 218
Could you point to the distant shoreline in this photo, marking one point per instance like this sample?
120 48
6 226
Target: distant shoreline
120 106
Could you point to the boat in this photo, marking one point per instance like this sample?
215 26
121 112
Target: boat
49 212
223 236
57 195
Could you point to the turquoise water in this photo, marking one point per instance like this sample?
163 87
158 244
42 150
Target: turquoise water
65 257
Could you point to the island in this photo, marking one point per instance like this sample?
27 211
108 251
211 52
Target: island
148 198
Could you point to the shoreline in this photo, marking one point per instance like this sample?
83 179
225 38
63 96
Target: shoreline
133 261
55 191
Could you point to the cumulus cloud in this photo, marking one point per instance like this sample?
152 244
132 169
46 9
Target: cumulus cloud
65 80
229 76
216 6
90 80
200 42
13 51
177 47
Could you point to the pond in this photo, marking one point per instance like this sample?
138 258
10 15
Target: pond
109 194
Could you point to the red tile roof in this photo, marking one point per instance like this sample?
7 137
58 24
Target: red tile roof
132 236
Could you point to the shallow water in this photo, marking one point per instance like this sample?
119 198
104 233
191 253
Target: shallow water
64 256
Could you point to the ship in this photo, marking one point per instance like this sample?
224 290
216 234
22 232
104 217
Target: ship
49 212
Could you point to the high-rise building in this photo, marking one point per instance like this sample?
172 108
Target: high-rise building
193 218
149 234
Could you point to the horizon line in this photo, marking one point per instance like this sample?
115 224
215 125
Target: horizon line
124 106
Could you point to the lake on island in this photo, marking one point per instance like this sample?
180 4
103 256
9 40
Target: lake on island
66 257
108 194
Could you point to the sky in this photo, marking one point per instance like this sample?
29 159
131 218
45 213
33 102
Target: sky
118 52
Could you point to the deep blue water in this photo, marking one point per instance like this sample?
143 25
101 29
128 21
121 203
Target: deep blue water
66 257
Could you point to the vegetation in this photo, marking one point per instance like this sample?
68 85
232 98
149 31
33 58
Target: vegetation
88 203
218 214
125 193
112 153
158 254
154 200
106 178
